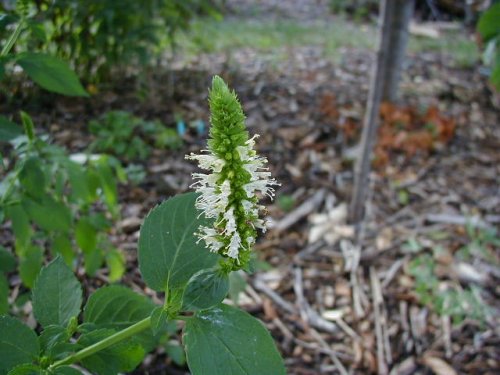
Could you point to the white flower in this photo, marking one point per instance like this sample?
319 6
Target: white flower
235 180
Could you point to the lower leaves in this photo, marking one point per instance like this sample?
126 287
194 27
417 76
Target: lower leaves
117 326
226 340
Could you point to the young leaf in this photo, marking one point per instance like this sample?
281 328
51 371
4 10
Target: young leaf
124 356
242 344
52 336
57 295
48 207
159 320
8 129
169 252
205 289
119 307
51 73
18 344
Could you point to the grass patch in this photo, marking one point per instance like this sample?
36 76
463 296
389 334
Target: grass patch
209 35
268 36
463 51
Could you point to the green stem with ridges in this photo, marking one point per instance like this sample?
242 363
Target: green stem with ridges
103 344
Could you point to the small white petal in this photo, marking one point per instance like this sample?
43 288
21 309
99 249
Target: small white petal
234 246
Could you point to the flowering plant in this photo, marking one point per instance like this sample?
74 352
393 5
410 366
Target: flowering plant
229 193
188 245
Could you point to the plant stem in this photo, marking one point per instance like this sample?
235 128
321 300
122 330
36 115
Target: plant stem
13 38
103 344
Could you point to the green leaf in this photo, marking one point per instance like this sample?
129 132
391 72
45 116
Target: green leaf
169 252
57 295
66 370
18 344
489 24
52 336
176 353
51 73
8 129
79 182
225 340
118 307
7 260
48 207
25 369
30 265
205 289
108 183
29 127
4 294
20 224
159 320
121 357
32 178
85 235
115 261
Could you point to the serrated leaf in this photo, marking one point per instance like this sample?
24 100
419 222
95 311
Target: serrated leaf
8 129
169 252
242 344
118 307
30 265
51 73
25 369
18 344
205 289
7 260
57 295
121 357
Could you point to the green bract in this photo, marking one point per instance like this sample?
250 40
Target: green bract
229 192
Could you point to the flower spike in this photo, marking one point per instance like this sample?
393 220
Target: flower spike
236 178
